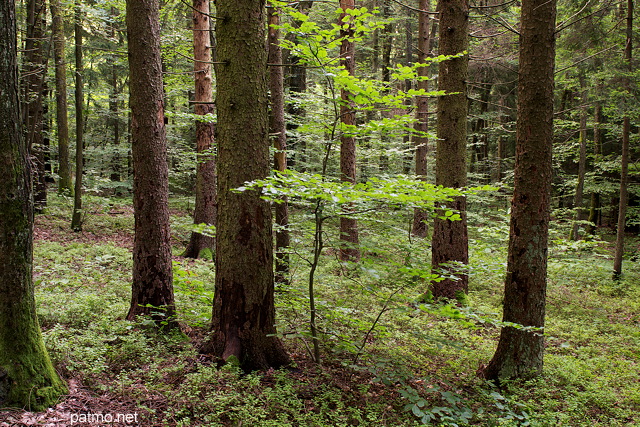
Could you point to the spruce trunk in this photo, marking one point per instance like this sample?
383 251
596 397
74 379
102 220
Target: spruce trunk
520 352
243 323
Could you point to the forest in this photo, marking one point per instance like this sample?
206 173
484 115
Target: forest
319 213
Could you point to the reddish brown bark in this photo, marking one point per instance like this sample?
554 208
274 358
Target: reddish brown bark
206 208
450 250
349 250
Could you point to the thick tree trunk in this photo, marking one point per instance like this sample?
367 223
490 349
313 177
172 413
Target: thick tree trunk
421 140
76 218
205 209
349 250
62 120
27 377
278 130
35 66
243 323
520 352
624 167
450 240
152 289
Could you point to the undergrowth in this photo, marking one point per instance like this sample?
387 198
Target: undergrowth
388 358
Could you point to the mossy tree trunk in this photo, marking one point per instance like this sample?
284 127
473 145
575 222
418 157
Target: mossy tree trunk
27 377
520 352
450 241
152 289
205 209
243 324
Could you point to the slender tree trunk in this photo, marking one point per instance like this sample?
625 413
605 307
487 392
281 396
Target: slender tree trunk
297 81
408 85
278 130
349 250
62 120
76 218
450 240
243 321
35 65
205 209
582 166
114 103
387 44
152 288
27 377
594 206
520 352
624 167
420 139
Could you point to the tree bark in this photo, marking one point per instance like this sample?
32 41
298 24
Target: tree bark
297 82
520 352
243 323
152 289
624 166
582 166
27 377
594 205
35 65
62 119
278 129
421 140
76 218
450 240
205 209
349 250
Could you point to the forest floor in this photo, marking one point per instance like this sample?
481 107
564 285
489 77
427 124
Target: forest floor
387 359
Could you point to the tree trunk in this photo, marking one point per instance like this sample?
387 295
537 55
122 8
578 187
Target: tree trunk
152 289
297 81
243 321
27 377
349 250
35 65
278 129
582 167
76 218
205 209
520 352
420 139
450 240
624 167
594 206
62 120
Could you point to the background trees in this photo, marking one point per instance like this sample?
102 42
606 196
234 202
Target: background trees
374 302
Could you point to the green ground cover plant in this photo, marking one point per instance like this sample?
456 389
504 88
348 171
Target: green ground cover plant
388 358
